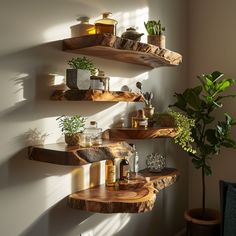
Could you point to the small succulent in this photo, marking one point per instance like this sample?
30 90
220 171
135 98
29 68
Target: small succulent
71 125
148 96
83 63
154 27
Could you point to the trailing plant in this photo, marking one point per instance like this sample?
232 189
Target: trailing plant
83 63
209 133
183 126
148 96
154 27
71 125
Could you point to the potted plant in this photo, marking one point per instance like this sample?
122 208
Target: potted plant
155 33
79 74
210 134
71 127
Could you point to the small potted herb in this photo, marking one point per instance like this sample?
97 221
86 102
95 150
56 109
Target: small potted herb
79 74
71 127
155 33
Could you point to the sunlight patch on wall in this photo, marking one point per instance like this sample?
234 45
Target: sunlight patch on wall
20 81
109 226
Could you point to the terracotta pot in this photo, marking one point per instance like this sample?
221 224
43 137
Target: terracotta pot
72 140
157 40
196 226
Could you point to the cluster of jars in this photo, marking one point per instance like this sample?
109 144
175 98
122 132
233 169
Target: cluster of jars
104 25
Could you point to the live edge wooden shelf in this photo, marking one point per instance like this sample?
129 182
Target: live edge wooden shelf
125 50
139 133
61 154
96 96
111 200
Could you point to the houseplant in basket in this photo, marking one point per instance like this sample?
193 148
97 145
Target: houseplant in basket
71 127
155 33
210 134
79 74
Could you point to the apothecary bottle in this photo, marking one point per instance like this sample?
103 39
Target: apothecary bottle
124 168
106 24
110 175
94 133
83 28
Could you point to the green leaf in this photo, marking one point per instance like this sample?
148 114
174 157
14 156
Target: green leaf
207 170
216 75
222 85
197 90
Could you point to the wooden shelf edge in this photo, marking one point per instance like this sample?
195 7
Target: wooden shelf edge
125 50
109 200
96 96
139 133
61 154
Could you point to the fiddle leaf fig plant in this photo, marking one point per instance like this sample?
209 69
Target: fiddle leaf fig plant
210 134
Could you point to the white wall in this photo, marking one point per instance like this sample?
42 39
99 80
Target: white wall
212 47
33 194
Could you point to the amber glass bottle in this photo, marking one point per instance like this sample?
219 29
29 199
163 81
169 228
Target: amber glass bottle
124 168
106 24
110 178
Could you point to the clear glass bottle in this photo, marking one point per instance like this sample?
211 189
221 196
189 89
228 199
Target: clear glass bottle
83 28
124 168
110 178
106 25
134 159
140 121
94 133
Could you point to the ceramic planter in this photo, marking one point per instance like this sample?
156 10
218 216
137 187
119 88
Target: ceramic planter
72 140
157 40
78 79
210 226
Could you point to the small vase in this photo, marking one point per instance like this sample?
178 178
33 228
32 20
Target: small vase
155 162
157 40
72 140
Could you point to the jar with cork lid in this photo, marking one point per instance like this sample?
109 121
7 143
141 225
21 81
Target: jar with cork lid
140 121
83 28
106 24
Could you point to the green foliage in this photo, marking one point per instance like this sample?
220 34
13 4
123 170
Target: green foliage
153 27
184 127
209 134
71 125
83 63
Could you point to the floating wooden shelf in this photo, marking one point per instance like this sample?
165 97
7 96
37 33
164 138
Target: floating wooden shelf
97 95
125 50
139 133
60 153
111 200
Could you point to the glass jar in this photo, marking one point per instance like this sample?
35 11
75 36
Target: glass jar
83 28
94 133
140 121
155 162
106 25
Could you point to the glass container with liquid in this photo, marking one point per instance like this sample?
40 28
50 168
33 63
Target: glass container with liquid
106 24
83 28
